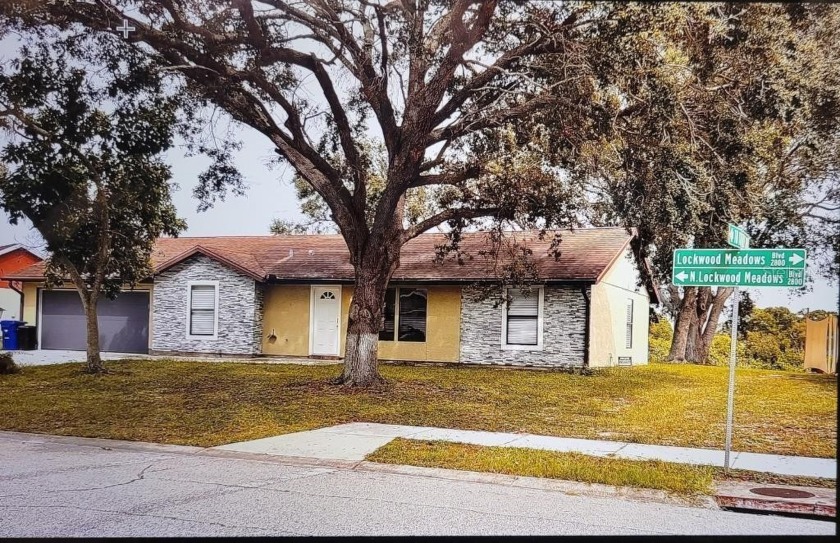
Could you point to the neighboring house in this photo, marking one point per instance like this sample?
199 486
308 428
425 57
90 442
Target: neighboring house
290 296
13 258
822 344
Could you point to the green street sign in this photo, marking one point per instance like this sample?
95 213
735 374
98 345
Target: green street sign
722 277
737 237
739 267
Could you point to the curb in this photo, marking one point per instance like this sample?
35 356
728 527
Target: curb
6 435
549 485
573 488
723 498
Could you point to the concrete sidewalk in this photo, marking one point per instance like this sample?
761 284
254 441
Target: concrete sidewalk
352 442
46 357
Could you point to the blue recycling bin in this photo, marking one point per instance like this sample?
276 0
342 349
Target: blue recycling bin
10 335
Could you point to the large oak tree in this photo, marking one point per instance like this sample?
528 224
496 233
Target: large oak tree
742 105
493 107
436 78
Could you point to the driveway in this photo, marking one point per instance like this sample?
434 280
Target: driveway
47 357
73 487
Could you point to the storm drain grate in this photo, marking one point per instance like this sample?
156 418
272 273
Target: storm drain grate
781 492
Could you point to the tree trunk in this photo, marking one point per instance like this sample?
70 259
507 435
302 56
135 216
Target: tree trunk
708 333
683 323
89 298
94 359
692 339
366 316
361 354
694 347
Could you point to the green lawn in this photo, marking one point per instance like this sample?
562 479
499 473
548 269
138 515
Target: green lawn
681 479
677 478
205 404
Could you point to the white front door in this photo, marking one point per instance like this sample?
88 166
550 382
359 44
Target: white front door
326 317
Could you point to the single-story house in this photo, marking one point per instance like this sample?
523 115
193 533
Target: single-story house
13 257
290 296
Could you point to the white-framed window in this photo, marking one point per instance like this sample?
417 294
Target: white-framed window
202 309
628 342
522 320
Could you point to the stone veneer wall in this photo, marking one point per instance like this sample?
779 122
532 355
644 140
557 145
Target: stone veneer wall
259 306
240 310
564 322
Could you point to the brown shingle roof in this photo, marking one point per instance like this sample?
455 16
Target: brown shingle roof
585 255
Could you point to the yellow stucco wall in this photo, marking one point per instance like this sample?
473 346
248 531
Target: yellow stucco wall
287 312
600 328
607 319
30 302
607 338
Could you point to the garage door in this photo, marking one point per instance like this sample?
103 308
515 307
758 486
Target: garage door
123 323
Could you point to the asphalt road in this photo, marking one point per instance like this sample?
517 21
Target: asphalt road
76 489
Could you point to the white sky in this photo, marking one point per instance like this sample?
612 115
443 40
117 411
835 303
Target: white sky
270 195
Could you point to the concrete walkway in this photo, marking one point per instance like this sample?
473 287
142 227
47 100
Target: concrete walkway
352 442
48 357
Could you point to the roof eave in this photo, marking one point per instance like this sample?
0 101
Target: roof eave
198 249
18 247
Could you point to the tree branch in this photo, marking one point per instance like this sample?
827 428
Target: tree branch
451 178
447 215
498 118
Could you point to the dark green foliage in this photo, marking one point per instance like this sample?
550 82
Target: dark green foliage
769 338
84 162
736 121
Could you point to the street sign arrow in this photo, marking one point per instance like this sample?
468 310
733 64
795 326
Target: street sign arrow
795 259
682 276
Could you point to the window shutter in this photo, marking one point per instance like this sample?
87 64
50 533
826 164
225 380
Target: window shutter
629 332
202 310
523 318
522 331
520 306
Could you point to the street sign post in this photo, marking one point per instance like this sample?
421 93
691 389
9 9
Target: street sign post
737 238
741 267
730 396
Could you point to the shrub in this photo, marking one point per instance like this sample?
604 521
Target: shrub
7 364
659 341
661 330
719 351
658 349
